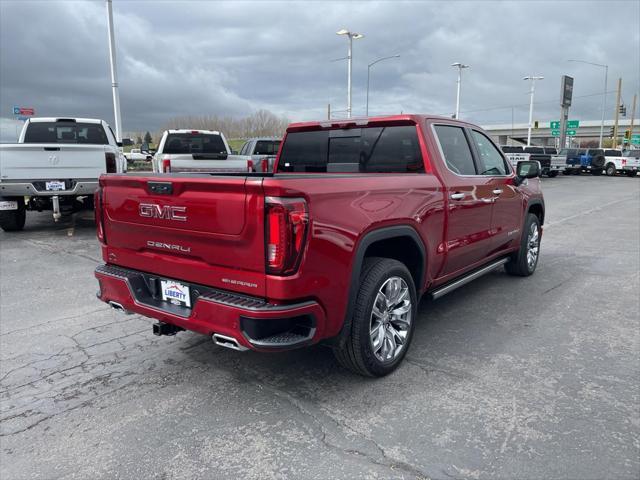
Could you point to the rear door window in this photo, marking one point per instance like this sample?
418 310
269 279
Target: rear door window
391 149
455 149
66 132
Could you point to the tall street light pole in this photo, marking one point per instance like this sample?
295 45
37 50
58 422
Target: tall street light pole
460 66
114 74
369 76
533 79
604 93
352 36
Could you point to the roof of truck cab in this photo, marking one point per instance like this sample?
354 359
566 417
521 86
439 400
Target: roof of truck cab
364 121
57 119
189 130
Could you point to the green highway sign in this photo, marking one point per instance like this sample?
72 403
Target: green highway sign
571 133
573 124
555 133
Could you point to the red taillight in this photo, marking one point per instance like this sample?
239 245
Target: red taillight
250 166
110 159
286 223
264 164
166 165
97 212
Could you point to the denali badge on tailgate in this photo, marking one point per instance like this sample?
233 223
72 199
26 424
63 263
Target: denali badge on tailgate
168 212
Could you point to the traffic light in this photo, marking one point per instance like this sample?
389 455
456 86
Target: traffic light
535 124
623 110
612 132
627 134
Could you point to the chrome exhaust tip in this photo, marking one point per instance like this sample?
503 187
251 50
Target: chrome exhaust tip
228 342
117 306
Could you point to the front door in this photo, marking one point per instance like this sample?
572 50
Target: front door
469 202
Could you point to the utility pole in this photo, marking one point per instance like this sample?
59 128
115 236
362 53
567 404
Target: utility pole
328 111
459 66
114 74
532 91
617 114
633 114
351 36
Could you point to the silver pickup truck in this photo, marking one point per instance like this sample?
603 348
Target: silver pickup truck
55 166
262 152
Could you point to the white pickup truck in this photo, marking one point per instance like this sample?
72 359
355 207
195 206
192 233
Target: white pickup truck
55 166
262 152
633 162
616 162
197 151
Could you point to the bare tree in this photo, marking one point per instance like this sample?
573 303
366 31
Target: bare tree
261 123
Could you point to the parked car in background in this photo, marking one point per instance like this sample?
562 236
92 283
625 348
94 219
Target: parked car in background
516 154
616 162
55 166
590 160
197 151
633 162
262 152
360 219
137 155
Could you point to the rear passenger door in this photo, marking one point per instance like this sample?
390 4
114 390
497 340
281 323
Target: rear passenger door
506 215
469 201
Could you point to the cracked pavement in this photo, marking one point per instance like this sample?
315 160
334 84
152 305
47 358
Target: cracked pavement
506 377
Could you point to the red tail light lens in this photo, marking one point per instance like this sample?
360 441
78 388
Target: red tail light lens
286 224
166 165
97 212
250 166
110 159
264 165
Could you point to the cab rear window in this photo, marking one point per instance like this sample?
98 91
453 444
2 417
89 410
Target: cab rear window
186 143
391 149
66 132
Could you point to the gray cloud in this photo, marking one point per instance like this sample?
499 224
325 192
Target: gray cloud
232 58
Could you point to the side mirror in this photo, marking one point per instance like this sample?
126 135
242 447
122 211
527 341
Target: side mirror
527 169
119 144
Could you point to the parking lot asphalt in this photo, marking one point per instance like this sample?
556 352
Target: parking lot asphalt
519 378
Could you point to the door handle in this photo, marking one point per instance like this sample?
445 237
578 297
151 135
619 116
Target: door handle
497 191
457 196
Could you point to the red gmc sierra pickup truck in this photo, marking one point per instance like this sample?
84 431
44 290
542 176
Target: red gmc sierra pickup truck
360 218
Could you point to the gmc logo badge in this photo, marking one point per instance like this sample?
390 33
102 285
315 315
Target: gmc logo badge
168 212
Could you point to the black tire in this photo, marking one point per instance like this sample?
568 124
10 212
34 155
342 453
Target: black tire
577 171
553 174
566 171
357 353
610 170
632 173
13 220
518 264
598 161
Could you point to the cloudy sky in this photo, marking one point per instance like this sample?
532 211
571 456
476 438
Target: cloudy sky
180 58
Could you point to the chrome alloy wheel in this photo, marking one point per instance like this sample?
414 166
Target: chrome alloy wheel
390 319
533 246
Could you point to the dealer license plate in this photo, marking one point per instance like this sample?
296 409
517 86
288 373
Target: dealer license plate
175 292
54 186
9 205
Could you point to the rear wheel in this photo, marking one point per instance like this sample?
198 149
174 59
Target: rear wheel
525 261
632 173
553 173
610 170
13 220
383 319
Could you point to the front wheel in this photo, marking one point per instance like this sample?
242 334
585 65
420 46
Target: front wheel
632 173
611 170
383 319
524 262
553 173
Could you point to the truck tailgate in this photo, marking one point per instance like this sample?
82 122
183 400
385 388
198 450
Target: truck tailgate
31 161
201 229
